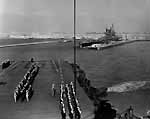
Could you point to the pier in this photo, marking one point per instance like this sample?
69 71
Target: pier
116 43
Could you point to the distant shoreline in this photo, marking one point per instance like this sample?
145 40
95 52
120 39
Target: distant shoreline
25 44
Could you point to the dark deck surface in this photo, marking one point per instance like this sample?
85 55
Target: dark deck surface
42 105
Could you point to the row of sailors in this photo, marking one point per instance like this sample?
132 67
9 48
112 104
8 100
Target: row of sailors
25 92
73 104
25 85
31 73
62 106
70 107
21 88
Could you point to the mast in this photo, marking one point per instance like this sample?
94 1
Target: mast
74 37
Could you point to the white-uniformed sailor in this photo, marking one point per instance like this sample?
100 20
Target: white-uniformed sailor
26 76
26 85
15 97
18 87
23 91
21 84
53 89
63 111
24 80
70 111
79 112
28 93
63 89
16 93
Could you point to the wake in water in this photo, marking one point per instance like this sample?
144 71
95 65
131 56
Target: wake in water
129 86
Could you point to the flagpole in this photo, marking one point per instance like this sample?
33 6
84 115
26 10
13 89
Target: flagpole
74 36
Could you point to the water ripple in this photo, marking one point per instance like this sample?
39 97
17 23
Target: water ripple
129 86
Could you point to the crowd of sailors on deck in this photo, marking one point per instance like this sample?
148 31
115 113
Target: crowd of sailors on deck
103 109
24 89
67 94
129 114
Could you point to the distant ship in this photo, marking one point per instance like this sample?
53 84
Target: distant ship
109 36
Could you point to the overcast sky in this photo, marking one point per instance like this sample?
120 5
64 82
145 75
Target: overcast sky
46 16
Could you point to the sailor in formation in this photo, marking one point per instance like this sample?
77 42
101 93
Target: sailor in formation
53 90
63 111
16 94
29 93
